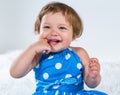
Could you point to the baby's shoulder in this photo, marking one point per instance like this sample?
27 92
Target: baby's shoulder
81 52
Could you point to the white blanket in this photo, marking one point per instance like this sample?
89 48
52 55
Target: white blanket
110 82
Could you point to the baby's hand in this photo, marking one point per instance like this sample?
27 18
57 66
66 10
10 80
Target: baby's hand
94 67
42 45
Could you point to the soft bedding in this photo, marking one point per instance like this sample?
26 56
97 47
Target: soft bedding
110 82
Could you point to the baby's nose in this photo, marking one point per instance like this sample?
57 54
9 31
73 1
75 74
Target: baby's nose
54 32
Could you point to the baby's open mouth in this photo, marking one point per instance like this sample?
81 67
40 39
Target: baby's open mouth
54 41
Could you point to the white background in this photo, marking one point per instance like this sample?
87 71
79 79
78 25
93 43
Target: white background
101 19
100 38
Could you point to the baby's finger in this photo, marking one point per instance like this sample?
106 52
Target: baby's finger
93 60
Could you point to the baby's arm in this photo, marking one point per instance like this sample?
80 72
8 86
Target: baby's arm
28 59
91 68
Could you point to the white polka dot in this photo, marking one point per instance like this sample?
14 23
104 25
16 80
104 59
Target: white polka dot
78 76
45 75
64 93
58 66
50 57
67 56
68 76
56 86
57 92
76 83
79 66
45 91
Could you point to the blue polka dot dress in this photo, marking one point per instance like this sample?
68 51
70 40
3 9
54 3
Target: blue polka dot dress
61 73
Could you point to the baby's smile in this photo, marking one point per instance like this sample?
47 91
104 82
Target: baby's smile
53 42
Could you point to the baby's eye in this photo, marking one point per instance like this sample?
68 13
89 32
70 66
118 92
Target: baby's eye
63 28
46 27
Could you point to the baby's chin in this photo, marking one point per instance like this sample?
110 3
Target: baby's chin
57 49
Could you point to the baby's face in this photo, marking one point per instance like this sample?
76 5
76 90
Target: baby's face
57 30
